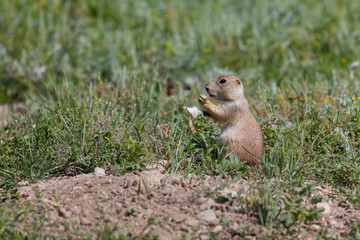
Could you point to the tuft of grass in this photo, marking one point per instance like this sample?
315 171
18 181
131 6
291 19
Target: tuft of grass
355 230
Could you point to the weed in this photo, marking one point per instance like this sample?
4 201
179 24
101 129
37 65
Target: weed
355 230
273 209
264 204
295 213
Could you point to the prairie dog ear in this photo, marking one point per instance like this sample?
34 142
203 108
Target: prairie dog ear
238 81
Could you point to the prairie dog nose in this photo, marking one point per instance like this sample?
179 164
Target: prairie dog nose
206 87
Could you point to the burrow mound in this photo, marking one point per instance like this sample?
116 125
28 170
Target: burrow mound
168 205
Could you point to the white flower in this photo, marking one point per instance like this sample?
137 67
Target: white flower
354 64
194 111
39 71
344 138
34 126
351 66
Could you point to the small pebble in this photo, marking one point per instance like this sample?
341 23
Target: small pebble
208 216
326 207
99 172
207 204
217 229
316 227
192 222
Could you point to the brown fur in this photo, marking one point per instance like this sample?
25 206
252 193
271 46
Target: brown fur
239 127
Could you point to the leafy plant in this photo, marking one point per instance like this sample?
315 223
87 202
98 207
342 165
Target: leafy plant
272 209
295 213
355 230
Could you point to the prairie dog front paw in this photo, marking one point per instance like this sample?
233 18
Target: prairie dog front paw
203 99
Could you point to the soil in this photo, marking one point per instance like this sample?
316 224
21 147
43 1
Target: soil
169 205
3 115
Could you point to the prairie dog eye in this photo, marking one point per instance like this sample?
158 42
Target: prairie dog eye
222 81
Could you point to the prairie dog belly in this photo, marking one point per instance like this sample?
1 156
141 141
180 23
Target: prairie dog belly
229 133
241 140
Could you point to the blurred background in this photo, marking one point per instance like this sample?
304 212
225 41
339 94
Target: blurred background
181 44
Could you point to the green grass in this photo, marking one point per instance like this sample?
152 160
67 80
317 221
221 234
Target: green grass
298 59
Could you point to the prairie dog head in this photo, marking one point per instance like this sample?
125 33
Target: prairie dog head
225 87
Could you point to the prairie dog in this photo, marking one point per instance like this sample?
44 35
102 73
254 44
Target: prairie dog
239 130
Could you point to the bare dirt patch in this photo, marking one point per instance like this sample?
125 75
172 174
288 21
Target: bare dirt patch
3 115
167 205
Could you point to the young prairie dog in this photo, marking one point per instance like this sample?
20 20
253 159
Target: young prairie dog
239 129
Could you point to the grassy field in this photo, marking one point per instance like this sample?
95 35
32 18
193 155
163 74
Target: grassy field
104 83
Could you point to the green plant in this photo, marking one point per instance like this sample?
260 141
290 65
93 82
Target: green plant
295 213
264 203
355 230
272 209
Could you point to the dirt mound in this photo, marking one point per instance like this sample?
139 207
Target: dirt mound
167 205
